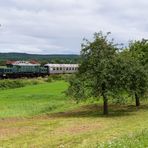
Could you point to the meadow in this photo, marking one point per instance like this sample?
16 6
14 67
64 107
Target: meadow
42 115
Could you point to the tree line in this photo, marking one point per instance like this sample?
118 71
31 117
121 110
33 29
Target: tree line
43 59
108 70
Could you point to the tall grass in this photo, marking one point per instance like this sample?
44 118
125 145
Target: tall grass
17 83
134 140
58 77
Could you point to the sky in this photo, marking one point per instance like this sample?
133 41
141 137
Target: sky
59 26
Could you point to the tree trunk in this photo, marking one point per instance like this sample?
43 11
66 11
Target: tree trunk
105 105
137 100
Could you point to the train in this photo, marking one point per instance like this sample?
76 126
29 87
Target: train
16 69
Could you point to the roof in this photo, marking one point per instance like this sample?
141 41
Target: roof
61 65
23 63
10 62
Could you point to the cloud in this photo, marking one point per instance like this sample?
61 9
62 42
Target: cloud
58 26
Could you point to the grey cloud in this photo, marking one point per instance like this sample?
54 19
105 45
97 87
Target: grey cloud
58 26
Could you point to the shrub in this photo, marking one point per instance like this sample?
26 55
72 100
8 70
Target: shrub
49 79
56 77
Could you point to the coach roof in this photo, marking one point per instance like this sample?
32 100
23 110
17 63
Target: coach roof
61 65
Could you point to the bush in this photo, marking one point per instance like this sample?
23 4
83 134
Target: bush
56 77
66 77
49 79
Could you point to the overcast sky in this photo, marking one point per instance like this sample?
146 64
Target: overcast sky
58 26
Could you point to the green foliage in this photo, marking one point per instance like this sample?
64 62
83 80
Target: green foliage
97 62
56 76
121 98
135 80
49 79
66 77
76 88
139 51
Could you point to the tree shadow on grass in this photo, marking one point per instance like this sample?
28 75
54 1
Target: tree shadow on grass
96 111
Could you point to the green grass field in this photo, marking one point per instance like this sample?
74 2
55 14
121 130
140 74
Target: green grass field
42 116
34 100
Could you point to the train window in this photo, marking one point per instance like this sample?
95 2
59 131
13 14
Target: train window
54 68
60 68
57 68
51 69
67 68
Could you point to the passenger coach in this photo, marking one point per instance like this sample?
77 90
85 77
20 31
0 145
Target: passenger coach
61 68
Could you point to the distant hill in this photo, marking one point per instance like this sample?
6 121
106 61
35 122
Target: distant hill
53 58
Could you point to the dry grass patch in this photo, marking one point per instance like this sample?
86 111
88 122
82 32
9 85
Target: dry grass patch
14 132
82 127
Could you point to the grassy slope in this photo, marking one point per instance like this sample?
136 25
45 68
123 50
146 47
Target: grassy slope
82 127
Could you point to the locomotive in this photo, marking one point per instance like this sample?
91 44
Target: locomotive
15 69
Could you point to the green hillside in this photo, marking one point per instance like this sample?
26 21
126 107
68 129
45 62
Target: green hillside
53 58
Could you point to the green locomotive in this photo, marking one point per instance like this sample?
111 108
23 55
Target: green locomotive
22 69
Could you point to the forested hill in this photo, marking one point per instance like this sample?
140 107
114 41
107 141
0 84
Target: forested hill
53 58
